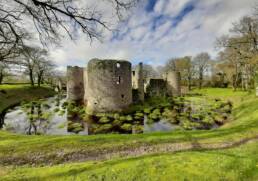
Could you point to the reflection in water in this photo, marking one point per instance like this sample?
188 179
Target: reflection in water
38 117
51 117
161 125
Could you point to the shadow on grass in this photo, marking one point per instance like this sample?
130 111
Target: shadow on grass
109 164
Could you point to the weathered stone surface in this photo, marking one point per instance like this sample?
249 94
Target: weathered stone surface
85 79
109 85
138 81
75 83
156 88
173 83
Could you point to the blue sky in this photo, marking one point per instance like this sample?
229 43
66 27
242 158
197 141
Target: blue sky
157 30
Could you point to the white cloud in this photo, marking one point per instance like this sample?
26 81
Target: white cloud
195 33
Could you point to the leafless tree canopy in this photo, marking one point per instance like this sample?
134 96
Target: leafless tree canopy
51 18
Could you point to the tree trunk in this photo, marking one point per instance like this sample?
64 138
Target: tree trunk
39 81
40 78
200 80
1 77
235 79
189 84
31 78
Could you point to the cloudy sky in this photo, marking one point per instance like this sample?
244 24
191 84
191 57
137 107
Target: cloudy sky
157 30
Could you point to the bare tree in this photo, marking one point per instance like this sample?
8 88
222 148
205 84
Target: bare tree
186 68
201 62
34 61
170 65
49 17
42 67
246 32
240 48
149 72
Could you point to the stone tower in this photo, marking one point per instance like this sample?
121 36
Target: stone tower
138 81
75 83
173 83
109 85
85 79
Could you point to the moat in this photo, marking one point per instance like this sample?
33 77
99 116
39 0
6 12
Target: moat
56 116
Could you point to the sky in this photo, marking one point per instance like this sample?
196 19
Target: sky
157 30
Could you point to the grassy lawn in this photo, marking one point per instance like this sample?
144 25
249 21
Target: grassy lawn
198 163
14 94
239 163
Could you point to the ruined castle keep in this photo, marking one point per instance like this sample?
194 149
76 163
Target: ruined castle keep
108 85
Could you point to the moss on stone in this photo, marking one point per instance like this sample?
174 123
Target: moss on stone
137 129
129 118
104 119
127 127
103 128
117 122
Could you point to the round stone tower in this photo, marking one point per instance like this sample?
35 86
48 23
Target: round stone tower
173 83
75 83
109 85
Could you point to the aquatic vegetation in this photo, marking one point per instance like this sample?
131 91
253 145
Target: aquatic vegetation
127 127
104 119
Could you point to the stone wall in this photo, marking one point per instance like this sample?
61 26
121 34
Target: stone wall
138 81
75 83
173 83
156 88
85 79
109 85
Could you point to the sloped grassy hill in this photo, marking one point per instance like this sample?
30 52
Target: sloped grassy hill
14 94
227 153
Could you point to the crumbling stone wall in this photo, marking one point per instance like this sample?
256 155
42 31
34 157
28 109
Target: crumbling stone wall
138 82
75 83
173 83
156 88
109 85
85 79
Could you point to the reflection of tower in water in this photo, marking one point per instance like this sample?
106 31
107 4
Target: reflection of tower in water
76 124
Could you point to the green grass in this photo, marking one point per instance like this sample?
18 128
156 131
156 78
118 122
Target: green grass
239 163
14 94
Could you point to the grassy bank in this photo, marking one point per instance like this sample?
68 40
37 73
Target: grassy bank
240 163
14 94
235 163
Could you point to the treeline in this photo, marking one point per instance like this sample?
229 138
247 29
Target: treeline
33 62
236 64
238 58
193 70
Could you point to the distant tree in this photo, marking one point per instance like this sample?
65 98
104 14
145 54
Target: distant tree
43 66
3 71
149 72
201 62
186 68
36 62
160 71
170 65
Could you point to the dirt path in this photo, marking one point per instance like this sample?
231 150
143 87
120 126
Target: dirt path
78 155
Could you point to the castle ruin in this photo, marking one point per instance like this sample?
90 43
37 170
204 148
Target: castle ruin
107 85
